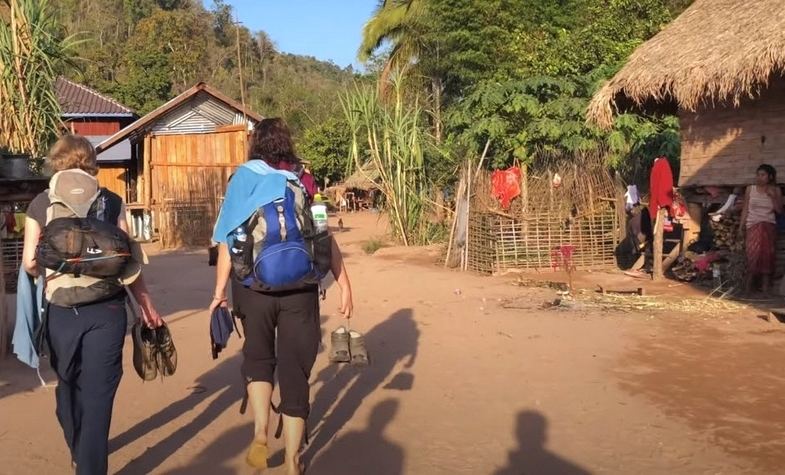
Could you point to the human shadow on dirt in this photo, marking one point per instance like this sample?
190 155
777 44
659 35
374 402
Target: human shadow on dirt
224 381
16 377
368 450
532 456
390 342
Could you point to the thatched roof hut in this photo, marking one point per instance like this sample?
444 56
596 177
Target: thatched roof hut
721 67
365 178
716 52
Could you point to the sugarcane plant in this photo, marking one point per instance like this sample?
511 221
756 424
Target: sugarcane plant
390 135
31 56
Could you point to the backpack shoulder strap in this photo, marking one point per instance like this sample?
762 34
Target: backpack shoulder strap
106 207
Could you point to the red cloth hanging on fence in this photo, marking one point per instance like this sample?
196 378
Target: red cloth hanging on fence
660 187
506 185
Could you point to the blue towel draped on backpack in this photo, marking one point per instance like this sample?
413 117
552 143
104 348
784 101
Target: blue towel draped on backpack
252 186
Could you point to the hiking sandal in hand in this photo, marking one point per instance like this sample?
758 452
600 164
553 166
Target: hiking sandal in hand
144 352
357 349
339 346
166 353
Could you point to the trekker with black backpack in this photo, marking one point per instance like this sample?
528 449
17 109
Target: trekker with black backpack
76 235
276 252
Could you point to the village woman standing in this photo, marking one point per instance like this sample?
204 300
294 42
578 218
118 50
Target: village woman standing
282 329
758 218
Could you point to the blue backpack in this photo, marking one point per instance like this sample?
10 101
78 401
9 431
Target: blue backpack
278 249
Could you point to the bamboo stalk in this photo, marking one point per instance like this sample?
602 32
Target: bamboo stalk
468 214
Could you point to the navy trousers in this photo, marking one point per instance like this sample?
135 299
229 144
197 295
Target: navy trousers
87 354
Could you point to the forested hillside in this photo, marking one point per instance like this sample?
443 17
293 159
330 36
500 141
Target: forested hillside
144 52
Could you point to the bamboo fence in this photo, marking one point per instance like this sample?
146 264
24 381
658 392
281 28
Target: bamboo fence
582 212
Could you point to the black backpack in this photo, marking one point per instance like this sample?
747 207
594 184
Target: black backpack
83 251
84 246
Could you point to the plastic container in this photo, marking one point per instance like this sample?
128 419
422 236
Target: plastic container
319 213
240 236
716 275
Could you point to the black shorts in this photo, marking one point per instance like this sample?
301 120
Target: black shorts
282 331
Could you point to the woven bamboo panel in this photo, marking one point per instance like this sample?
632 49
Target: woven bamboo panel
11 251
581 210
498 243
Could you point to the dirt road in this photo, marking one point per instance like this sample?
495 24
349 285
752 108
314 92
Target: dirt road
459 385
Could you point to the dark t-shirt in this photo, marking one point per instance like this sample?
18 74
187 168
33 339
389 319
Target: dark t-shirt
37 208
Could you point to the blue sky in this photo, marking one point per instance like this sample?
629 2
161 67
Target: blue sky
326 29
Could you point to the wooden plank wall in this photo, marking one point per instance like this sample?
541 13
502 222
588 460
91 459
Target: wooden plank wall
94 127
113 178
189 176
725 145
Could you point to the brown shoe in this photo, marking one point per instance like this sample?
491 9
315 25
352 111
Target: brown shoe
165 352
144 352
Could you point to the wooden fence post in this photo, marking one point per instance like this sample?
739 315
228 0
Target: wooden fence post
5 336
659 232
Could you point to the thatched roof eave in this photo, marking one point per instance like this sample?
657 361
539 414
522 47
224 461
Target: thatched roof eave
716 52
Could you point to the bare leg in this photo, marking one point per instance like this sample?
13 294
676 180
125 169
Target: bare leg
259 395
293 429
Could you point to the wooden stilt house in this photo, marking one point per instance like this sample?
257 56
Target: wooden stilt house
188 148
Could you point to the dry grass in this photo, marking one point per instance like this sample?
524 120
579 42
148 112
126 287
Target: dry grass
656 303
716 51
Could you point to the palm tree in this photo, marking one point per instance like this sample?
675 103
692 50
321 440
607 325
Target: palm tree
397 22
401 23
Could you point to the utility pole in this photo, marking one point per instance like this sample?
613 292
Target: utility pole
240 69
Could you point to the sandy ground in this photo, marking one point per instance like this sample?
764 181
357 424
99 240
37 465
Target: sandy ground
459 384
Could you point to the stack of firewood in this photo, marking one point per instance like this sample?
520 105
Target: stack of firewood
726 233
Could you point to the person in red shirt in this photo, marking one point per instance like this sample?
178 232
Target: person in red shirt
294 165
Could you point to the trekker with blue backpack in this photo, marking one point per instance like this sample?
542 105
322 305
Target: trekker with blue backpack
276 254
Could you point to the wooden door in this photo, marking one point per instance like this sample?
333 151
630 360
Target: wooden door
189 176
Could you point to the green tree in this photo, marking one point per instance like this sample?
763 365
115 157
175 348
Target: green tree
178 34
327 147
147 83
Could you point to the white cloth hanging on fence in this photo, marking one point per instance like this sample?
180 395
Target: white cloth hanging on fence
632 197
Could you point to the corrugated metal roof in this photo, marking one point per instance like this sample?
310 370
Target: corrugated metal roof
184 100
202 114
119 153
77 100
